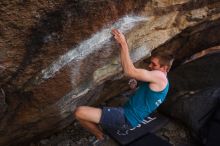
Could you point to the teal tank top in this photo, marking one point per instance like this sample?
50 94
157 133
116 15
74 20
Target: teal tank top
143 102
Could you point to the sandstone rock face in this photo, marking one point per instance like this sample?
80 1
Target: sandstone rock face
57 55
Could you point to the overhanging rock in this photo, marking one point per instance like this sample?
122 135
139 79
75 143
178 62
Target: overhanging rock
58 55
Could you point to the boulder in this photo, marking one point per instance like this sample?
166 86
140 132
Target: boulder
57 55
195 93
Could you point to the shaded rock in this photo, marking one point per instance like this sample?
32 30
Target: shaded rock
211 131
195 109
212 50
3 103
177 134
195 75
195 93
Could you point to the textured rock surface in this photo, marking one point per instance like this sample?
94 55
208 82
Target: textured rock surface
194 93
3 104
196 75
56 55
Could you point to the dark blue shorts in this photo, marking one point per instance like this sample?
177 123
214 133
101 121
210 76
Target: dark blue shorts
113 117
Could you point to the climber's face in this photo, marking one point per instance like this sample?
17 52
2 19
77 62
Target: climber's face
155 65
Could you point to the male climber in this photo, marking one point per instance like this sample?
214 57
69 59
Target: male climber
149 95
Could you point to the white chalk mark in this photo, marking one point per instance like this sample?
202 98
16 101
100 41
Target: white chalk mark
90 45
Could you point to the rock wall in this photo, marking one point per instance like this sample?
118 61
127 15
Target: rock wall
194 94
57 55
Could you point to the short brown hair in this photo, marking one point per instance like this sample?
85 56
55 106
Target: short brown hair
164 58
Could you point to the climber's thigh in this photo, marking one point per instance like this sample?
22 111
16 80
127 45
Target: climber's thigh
88 113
